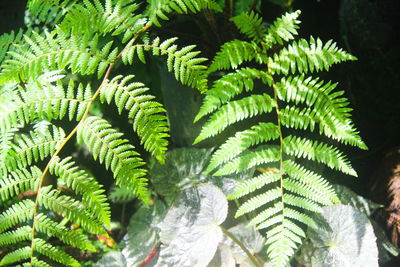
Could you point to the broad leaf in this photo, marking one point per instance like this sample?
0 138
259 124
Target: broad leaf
112 259
142 233
190 233
343 237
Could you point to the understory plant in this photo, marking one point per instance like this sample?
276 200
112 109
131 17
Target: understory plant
76 64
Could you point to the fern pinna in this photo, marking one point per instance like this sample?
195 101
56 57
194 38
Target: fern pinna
287 192
41 84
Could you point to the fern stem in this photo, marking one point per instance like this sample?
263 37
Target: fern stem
242 246
278 114
66 139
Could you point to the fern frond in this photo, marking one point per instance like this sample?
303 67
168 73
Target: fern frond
7 40
183 62
149 121
248 160
70 209
323 153
234 53
251 185
117 154
158 9
19 181
18 213
49 11
250 25
259 200
6 137
115 17
320 186
304 57
235 111
68 236
54 253
229 86
36 146
243 140
15 236
93 196
283 29
16 255
121 194
54 51
45 101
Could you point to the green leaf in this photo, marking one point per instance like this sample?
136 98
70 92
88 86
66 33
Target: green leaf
343 237
112 259
190 232
142 233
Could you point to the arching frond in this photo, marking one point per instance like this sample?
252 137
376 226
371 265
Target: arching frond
106 144
36 146
19 212
183 62
234 53
49 11
229 86
250 25
69 208
115 17
158 9
283 29
242 141
149 121
19 181
93 196
54 51
284 196
305 57
235 111
45 101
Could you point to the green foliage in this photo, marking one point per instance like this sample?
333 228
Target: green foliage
285 196
46 81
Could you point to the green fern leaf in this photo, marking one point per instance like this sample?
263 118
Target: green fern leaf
117 154
19 181
250 25
234 53
54 253
148 119
235 111
19 212
49 11
229 86
93 196
306 57
69 208
283 29
15 236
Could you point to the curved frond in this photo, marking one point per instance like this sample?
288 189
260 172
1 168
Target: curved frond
19 181
106 144
7 40
283 29
55 51
149 121
93 196
70 209
158 9
248 160
115 17
54 253
306 56
183 62
234 53
229 86
49 11
235 111
19 212
318 151
45 101
250 25
242 141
